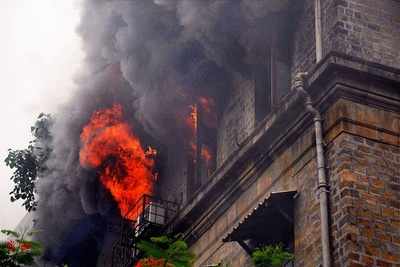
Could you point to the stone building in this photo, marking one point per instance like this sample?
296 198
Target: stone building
266 187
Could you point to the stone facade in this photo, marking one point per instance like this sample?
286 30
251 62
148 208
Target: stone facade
237 119
356 88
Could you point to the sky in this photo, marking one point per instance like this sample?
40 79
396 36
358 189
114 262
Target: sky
40 55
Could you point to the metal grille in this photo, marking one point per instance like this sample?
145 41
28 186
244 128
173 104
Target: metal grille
153 212
152 215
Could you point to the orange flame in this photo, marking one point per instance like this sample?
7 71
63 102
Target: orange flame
209 111
192 123
126 170
207 106
206 154
191 120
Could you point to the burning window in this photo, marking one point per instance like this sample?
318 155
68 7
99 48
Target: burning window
202 146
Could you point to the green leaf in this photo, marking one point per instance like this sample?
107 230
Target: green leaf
173 250
271 256
161 240
151 250
26 166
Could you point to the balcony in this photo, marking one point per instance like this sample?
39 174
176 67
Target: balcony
153 216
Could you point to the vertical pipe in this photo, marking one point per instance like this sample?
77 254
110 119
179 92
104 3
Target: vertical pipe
322 191
318 30
323 186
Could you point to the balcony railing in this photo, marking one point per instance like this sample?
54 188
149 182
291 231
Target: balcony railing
153 212
152 216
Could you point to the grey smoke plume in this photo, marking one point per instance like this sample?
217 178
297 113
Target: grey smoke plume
170 48
154 57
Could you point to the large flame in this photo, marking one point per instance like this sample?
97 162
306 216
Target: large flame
126 169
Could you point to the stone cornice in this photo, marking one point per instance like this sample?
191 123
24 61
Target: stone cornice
337 76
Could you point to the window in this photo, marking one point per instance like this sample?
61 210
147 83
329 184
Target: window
272 72
280 73
262 73
202 149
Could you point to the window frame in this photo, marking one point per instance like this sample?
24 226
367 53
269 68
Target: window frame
265 105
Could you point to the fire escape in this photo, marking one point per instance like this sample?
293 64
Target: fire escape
153 215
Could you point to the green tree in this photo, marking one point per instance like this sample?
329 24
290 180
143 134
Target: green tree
172 251
28 163
17 251
25 172
271 256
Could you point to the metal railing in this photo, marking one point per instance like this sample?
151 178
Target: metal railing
151 211
152 216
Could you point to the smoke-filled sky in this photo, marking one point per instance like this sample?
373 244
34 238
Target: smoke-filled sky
40 53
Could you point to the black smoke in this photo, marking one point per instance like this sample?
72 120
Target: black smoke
173 48
154 57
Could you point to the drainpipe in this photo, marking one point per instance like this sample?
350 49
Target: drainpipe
318 30
323 186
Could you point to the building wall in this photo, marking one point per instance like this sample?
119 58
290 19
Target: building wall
365 206
368 29
304 56
292 170
237 120
365 201
363 148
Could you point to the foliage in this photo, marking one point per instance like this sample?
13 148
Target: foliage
27 163
24 176
271 256
17 251
43 138
164 251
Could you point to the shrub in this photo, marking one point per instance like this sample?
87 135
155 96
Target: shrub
271 256
16 251
164 251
